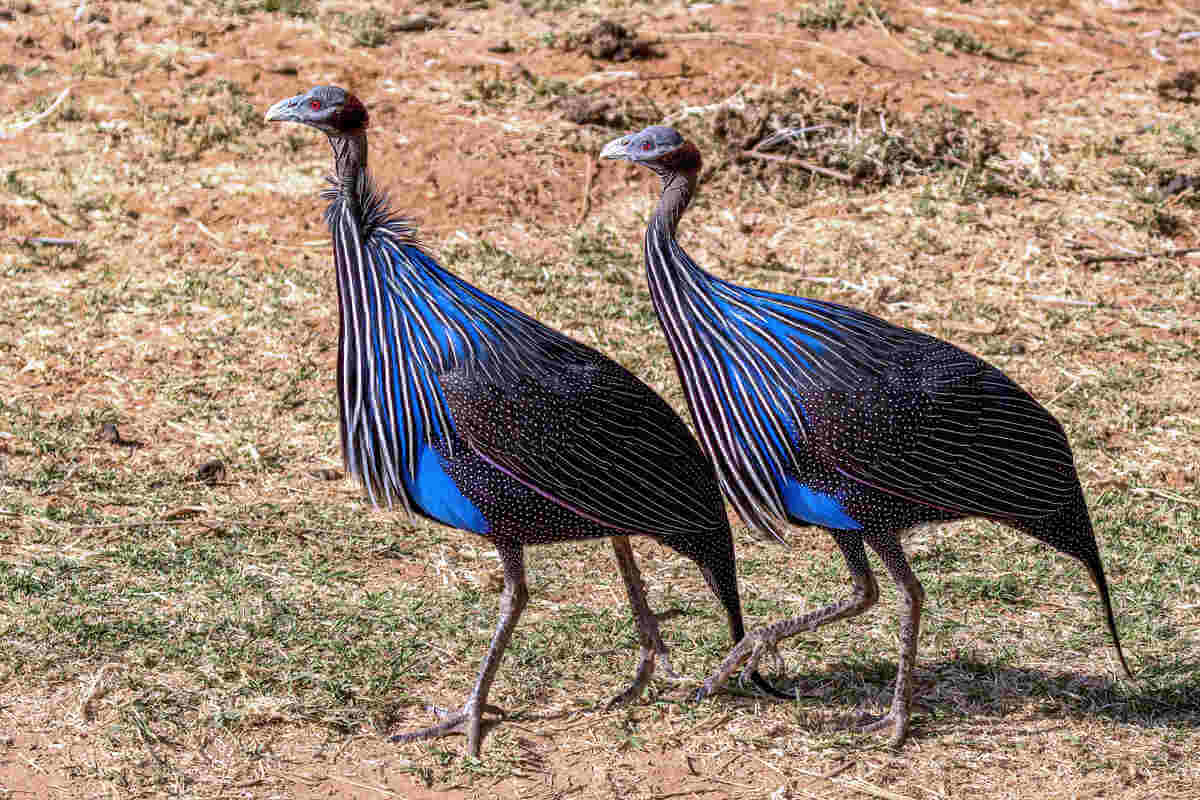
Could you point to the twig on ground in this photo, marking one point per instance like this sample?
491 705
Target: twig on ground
47 241
36 118
145 523
611 77
368 787
795 162
1183 251
995 173
585 204
686 793
1165 495
827 776
880 24
1062 301
96 689
735 101
204 229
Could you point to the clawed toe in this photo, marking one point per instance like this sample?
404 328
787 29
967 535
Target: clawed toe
646 670
898 723
750 649
664 666
632 693
467 721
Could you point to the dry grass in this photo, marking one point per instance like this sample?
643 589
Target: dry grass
258 634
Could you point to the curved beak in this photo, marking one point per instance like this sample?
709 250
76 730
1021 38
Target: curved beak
616 149
284 110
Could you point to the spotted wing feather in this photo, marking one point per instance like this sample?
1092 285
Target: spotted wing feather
943 428
592 438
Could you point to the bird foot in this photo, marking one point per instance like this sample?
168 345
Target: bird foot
467 721
642 679
750 649
894 719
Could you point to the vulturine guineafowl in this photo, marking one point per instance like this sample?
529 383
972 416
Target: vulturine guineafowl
818 414
468 412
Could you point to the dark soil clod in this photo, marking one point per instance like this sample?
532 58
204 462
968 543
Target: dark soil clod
212 472
608 41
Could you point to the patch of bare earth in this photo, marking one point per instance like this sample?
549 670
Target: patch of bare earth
259 631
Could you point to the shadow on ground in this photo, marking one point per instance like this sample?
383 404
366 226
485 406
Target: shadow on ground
964 688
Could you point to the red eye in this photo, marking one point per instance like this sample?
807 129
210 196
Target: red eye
646 145
314 104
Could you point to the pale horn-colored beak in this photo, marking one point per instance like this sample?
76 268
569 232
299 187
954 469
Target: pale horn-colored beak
617 149
284 110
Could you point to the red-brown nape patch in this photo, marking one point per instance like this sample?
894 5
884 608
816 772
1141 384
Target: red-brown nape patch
685 158
353 115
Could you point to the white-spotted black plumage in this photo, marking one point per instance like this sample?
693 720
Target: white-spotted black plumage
426 360
775 383
462 409
818 414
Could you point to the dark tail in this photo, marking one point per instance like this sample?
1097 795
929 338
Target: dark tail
718 566
1097 573
1070 531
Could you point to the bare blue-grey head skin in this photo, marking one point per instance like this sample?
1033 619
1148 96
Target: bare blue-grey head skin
330 109
646 147
674 159
343 118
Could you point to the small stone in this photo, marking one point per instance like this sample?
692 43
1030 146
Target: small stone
325 474
1181 86
502 47
1180 183
212 473
417 23
108 433
609 41
590 110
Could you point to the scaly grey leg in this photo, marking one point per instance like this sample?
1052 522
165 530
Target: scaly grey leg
469 719
892 553
653 648
757 643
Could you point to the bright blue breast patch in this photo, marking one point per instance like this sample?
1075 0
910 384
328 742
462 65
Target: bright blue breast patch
816 508
438 497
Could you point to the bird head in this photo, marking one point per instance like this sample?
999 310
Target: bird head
658 147
326 108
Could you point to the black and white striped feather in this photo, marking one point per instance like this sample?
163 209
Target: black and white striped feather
429 362
780 385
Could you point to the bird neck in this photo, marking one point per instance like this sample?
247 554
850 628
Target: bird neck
677 190
349 164
665 260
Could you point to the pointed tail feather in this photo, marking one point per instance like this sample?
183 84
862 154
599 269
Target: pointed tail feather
1071 532
1097 573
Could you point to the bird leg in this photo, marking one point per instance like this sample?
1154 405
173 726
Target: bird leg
468 719
653 649
758 643
898 717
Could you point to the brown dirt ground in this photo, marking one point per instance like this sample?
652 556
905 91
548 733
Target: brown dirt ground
516 176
